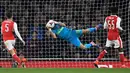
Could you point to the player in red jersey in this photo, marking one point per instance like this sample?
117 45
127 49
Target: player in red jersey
7 28
112 24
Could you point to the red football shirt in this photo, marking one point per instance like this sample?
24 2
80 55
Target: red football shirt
7 30
112 23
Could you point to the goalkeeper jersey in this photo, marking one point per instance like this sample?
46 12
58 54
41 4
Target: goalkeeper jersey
62 32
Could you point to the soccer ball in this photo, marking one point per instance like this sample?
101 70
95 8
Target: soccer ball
50 24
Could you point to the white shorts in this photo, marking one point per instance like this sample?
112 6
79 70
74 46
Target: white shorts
10 44
117 43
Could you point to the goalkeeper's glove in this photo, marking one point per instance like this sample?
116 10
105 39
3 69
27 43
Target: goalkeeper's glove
99 26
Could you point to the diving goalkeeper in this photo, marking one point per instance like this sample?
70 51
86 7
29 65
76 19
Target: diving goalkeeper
59 29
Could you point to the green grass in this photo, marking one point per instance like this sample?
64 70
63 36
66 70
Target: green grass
62 70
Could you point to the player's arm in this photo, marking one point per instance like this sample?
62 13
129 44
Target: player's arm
48 26
60 23
118 24
105 25
17 33
52 34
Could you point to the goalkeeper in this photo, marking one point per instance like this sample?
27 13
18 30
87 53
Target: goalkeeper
59 29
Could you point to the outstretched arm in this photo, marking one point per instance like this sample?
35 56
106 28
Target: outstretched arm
60 23
17 33
52 34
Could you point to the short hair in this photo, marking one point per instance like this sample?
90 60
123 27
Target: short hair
114 10
9 15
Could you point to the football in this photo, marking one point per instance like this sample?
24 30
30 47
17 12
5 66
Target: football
50 24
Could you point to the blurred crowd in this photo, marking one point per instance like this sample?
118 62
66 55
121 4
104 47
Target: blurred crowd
32 16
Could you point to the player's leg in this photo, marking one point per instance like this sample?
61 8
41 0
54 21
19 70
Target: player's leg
102 54
23 59
21 56
91 44
86 46
119 46
11 50
75 41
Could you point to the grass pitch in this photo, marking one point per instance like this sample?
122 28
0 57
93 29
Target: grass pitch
63 70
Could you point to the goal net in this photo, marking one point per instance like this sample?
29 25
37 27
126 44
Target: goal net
43 51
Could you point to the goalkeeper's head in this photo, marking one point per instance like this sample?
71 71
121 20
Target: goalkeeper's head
114 10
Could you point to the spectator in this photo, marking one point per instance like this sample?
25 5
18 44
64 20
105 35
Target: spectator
39 29
33 44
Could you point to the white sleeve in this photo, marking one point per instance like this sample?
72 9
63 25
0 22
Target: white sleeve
105 24
17 32
118 23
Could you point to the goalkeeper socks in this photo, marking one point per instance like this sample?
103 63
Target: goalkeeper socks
16 58
121 54
92 29
88 45
101 55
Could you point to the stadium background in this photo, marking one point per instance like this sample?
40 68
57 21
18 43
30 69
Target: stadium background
32 16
